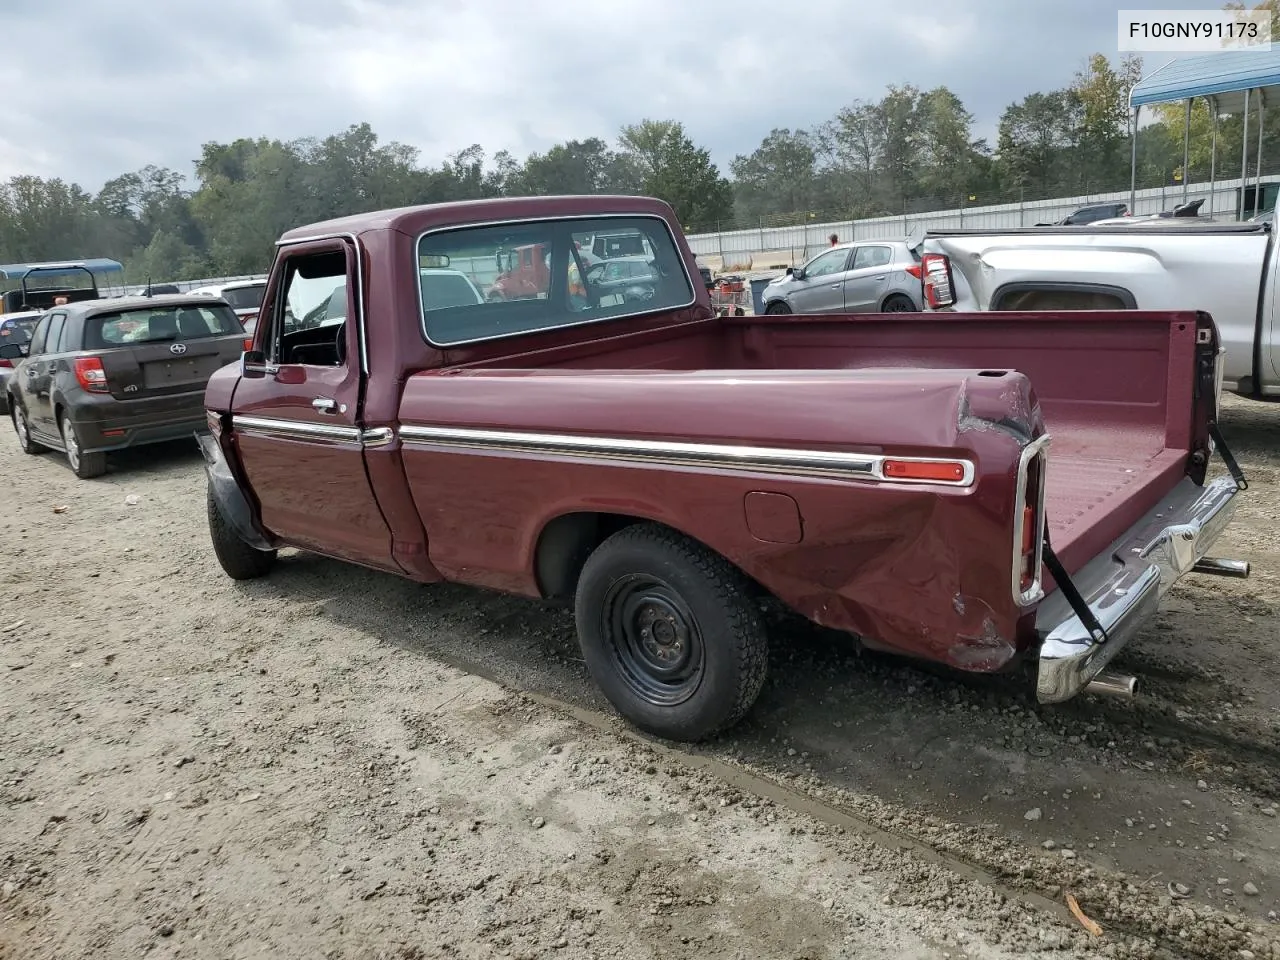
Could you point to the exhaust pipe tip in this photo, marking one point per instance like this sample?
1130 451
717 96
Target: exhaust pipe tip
1222 567
1110 684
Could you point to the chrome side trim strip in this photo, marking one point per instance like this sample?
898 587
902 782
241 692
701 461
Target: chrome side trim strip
756 459
295 429
377 436
1038 447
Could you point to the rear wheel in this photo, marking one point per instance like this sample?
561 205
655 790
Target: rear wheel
670 633
23 429
238 560
898 303
86 466
778 306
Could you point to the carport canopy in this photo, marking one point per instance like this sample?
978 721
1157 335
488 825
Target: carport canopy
1231 81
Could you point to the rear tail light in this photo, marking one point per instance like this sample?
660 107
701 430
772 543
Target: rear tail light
248 344
90 375
1029 554
939 291
5 363
915 270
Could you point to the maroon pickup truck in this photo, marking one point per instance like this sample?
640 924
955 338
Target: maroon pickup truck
666 469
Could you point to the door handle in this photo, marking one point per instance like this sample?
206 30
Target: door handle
881 277
836 286
324 405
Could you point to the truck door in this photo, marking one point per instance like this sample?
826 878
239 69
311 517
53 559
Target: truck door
296 419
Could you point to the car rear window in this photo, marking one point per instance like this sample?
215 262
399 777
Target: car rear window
245 298
443 289
17 331
159 325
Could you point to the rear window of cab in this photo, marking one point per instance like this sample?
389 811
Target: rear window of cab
159 325
499 280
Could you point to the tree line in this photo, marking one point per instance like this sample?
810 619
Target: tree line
910 151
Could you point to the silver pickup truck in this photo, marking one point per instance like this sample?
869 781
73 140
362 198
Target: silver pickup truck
1229 270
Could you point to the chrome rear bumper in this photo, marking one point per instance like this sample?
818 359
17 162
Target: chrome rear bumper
1124 584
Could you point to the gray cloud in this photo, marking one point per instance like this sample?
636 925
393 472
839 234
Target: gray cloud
98 89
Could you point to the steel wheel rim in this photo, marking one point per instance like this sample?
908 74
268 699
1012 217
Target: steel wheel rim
69 441
654 640
899 306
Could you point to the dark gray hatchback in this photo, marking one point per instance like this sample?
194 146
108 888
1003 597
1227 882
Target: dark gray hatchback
103 375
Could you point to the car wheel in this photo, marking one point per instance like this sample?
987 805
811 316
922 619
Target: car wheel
238 560
898 303
22 427
86 466
670 633
777 307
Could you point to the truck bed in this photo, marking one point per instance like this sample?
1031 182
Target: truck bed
1115 389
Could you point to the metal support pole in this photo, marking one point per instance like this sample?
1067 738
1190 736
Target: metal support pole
1244 157
1133 163
1257 175
1186 149
1213 152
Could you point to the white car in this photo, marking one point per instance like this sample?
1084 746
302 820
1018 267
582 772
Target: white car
243 296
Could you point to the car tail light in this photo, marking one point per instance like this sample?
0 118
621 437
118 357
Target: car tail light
5 363
915 270
90 375
939 291
936 471
248 344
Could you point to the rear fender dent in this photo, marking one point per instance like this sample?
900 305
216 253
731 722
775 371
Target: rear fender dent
231 500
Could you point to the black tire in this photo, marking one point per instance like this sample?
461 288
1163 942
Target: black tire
86 466
777 307
238 560
23 430
703 672
898 303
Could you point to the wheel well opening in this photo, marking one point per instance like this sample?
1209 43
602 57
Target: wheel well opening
565 544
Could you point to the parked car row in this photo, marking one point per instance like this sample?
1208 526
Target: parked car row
95 376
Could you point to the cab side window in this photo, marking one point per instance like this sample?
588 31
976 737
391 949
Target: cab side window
309 318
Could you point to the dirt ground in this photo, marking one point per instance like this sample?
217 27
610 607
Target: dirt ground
337 763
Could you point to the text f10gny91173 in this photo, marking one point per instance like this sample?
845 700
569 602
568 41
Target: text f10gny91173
975 490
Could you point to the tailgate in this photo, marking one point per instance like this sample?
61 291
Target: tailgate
166 350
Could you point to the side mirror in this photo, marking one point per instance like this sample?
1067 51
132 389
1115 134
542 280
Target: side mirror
253 364
13 351
797 273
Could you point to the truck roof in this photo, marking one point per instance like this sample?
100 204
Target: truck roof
415 220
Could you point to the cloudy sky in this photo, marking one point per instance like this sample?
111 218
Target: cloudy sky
94 88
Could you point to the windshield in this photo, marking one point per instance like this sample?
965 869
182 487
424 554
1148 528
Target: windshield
245 298
17 331
159 325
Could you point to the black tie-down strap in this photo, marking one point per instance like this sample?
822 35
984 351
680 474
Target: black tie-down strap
1078 603
1227 457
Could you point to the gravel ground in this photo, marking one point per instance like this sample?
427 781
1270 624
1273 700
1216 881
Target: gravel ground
337 763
